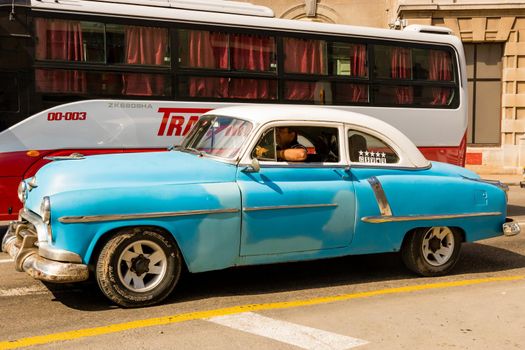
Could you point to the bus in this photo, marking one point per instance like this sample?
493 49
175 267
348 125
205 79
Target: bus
73 72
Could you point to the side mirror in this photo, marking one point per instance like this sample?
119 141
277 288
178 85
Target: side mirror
254 167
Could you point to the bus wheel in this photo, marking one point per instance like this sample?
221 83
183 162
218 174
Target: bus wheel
431 251
138 267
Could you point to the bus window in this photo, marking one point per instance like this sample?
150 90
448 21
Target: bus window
65 40
101 83
82 41
346 93
235 88
349 60
137 45
236 52
304 56
410 67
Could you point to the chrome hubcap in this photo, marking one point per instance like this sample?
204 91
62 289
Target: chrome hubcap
142 266
438 245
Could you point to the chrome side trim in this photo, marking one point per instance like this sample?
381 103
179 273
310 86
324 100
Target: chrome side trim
116 217
55 254
383 218
382 201
279 207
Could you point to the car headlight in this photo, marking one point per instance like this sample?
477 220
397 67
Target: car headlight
45 210
22 191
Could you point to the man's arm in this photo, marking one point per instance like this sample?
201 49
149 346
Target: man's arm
292 154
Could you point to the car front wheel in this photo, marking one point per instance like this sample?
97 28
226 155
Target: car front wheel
432 251
138 267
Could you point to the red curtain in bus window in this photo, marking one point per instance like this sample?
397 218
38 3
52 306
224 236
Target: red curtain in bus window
307 57
251 53
208 50
59 40
146 46
440 69
359 91
401 69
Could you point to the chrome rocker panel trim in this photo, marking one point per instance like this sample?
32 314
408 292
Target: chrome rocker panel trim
117 217
22 248
388 218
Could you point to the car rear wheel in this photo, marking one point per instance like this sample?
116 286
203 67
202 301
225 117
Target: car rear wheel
431 251
138 267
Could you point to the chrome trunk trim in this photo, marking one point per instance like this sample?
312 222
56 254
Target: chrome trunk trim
383 218
382 201
279 207
117 217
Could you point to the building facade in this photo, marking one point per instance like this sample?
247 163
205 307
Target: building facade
493 33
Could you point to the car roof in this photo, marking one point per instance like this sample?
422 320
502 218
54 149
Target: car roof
262 114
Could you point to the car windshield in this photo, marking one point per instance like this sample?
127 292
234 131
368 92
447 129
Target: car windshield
218 136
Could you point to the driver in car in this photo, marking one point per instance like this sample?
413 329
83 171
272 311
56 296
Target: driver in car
288 148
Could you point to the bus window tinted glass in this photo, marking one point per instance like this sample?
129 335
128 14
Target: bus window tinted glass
345 93
433 65
252 53
233 88
101 83
413 95
349 59
203 49
392 62
137 45
64 40
305 56
216 50
318 92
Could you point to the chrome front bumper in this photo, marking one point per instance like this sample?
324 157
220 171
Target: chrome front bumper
21 243
511 228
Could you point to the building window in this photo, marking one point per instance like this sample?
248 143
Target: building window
9 99
484 88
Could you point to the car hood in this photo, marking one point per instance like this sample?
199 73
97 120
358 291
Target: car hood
136 170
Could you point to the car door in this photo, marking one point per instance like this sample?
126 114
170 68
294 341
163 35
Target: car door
297 206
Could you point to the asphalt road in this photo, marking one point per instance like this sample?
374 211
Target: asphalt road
368 302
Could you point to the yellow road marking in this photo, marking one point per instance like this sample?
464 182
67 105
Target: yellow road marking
120 327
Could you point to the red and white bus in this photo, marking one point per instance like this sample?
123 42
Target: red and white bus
152 67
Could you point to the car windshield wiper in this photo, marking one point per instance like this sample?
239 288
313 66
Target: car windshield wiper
174 147
192 150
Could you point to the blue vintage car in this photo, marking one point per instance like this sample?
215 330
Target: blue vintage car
249 185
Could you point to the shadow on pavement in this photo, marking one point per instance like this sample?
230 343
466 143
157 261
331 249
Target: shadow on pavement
515 210
242 281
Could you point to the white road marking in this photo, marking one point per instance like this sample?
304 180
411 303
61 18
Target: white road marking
286 332
23 291
5 261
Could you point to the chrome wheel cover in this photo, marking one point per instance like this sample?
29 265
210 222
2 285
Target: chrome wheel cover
438 245
142 266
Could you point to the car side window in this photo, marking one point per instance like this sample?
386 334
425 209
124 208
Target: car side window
368 149
305 144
